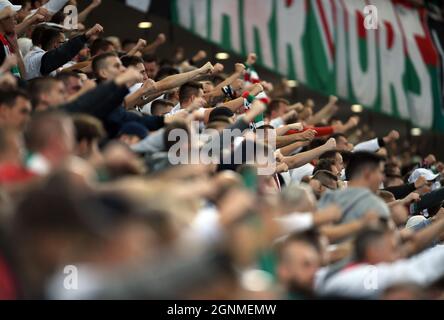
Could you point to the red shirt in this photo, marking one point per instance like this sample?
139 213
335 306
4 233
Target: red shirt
12 173
320 131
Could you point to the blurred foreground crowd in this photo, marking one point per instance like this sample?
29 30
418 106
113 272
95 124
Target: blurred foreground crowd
93 207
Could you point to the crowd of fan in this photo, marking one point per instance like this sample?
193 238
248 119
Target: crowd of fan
92 207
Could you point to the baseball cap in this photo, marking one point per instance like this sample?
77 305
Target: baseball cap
428 174
134 129
414 221
220 112
5 3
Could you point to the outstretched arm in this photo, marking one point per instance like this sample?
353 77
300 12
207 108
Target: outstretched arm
305 157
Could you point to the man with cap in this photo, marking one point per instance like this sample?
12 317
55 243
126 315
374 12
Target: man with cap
428 175
8 37
432 195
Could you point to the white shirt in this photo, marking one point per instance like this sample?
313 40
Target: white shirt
369 281
298 173
370 146
33 63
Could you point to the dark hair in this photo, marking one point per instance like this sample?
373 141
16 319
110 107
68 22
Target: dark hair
36 35
217 120
58 17
38 86
217 79
346 156
336 136
149 57
188 90
360 160
324 164
88 128
274 105
329 155
309 237
98 62
364 239
126 42
8 98
220 111
42 127
324 176
21 2
159 103
48 36
165 72
99 45
65 75
131 60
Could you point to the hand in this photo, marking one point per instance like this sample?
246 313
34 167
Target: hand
281 167
412 197
298 107
197 104
296 126
38 18
392 136
239 68
308 135
352 122
129 78
332 100
94 31
237 85
149 86
257 88
420 182
207 68
218 68
141 43
161 38
268 86
429 160
252 58
200 55
289 115
310 103
330 144
42 11
278 155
